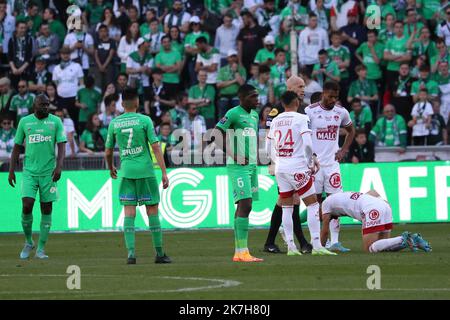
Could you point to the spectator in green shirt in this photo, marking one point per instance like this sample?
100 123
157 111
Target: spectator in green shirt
396 52
389 130
32 18
387 29
203 97
278 70
361 116
424 45
424 82
443 55
339 54
88 100
229 79
370 54
94 11
412 25
166 136
94 136
364 89
266 55
190 46
56 26
169 61
326 69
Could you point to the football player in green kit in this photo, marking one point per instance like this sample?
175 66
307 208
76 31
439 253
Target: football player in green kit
242 163
39 133
134 133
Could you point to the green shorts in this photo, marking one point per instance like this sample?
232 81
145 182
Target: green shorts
139 192
244 180
48 191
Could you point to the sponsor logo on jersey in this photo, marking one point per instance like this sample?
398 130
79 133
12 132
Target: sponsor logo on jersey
249 132
38 138
355 195
374 214
329 133
52 189
335 180
285 153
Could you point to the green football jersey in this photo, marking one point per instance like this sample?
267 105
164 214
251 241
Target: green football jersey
339 55
373 69
208 92
22 106
397 47
169 59
40 138
360 88
245 129
263 55
133 133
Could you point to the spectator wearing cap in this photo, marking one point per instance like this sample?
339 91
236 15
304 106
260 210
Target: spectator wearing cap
22 102
139 64
208 59
128 44
250 39
160 100
225 39
177 17
47 45
68 76
190 46
389 130
9 25
6 94
443 30
229 79
266 55
39 77
171 62
20 53
104 51
203 96
81 46
312 39
55 25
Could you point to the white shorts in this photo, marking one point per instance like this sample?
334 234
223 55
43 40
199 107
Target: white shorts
290 183
376 215
328 179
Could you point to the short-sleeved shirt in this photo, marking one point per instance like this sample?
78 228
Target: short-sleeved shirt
94 141
225 74
104 48
207 92
373 68
340 54
362 88
40 137
135 61
190 39
397 47
263 55
208 59
245 127
133 134
169 59
331 67
91 98
431 85
67 79
82 56
421 111
278 74
22 106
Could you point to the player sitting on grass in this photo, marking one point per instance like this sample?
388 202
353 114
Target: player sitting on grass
375 215
38 132
289 145
239 126
133 133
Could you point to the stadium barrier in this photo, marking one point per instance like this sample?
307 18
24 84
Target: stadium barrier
418 192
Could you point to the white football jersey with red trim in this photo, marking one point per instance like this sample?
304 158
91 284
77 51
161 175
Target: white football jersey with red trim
343 204
325 126
286 132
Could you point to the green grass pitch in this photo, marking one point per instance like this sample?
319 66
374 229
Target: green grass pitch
203 269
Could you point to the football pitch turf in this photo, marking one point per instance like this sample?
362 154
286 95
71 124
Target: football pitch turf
202 268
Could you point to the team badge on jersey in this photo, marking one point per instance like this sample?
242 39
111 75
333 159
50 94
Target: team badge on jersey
335 180
374 214
223 120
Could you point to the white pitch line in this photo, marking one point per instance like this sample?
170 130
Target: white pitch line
352 289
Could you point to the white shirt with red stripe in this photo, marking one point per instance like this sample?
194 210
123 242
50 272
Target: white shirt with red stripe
286 138
325 126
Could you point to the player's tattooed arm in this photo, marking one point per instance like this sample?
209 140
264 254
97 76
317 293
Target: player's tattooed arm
59 161
12 165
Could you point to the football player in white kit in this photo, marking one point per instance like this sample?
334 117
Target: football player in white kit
375 215
327 117
289 145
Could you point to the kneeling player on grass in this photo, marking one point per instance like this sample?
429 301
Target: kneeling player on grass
39 132
133 133
242 123
289 145
376 217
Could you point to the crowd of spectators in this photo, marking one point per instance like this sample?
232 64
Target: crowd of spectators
187 58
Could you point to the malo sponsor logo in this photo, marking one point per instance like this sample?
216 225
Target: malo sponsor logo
330 133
